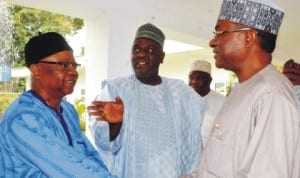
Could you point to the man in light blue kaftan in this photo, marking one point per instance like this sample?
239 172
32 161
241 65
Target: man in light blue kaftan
39 132
160 133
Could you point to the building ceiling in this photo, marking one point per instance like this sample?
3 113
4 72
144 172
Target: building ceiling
189 21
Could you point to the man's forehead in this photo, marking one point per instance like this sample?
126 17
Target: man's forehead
146 41
198 73
225 23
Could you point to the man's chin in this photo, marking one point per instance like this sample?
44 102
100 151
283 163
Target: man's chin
68 91
219 66
139 73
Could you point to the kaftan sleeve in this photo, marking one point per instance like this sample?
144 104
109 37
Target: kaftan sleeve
41 147
190 111
2 154
100 133
196 110
100 129
273 141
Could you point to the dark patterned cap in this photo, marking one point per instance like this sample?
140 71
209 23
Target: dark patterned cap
152 32
260 14
43 45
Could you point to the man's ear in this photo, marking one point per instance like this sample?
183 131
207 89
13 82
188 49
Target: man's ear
251 38
35 71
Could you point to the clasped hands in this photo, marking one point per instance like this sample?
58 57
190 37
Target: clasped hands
109 111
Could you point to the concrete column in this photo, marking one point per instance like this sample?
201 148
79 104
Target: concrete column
108 49
96 55
122 28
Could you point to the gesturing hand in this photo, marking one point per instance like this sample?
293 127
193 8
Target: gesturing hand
110 111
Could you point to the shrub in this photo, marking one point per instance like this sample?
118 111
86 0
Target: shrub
5 100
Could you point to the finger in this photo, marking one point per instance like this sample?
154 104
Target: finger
95 110
100 119
92 107
94 113
101 113
97 103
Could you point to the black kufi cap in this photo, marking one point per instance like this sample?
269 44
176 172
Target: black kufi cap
43 45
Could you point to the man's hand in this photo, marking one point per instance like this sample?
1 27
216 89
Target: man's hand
110 111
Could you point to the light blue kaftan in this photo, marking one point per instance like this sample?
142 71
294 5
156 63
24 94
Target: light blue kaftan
34 143
160 135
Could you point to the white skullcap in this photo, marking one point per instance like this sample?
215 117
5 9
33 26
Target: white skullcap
200 65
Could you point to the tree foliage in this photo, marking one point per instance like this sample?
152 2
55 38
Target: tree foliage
28 22
16 85
80 108
6 37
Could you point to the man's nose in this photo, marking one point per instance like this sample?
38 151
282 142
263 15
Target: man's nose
212 43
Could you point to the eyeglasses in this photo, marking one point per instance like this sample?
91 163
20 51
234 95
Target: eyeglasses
63 65
218 34
147 51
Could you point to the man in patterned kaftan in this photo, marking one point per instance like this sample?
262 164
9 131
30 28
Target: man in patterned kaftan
40 134
159 135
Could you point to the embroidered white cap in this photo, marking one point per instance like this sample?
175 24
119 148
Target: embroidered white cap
200 65
260 14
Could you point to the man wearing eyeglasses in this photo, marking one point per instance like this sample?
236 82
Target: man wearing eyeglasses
256 132
40 132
